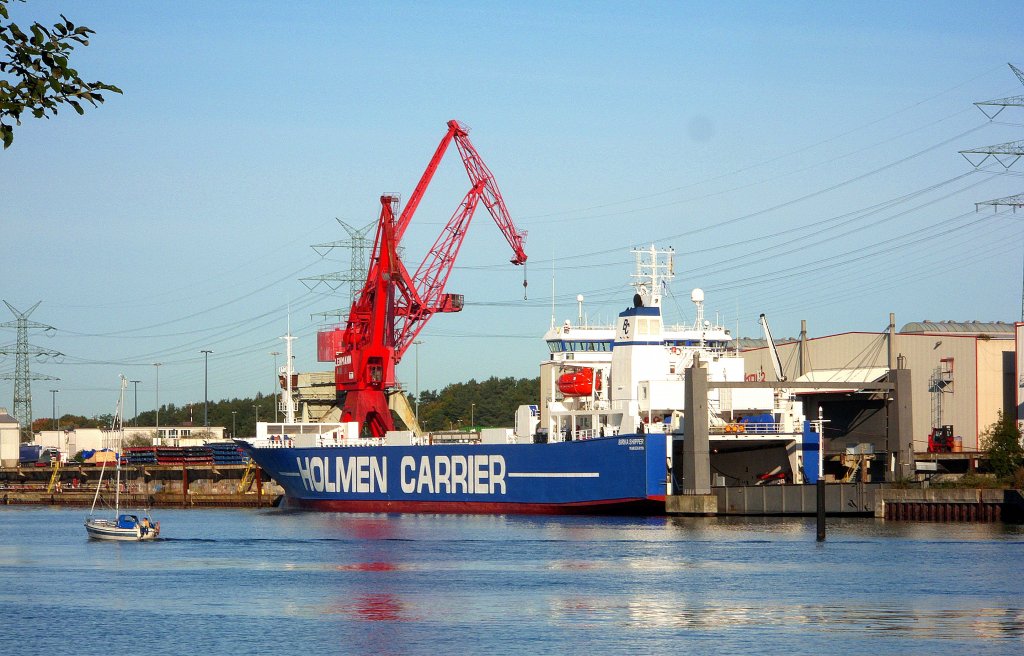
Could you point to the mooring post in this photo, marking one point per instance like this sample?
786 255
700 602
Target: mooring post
821 509
696 446
184 486
903 420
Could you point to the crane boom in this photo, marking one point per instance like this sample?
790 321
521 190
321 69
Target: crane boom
776 360
428 175
393 306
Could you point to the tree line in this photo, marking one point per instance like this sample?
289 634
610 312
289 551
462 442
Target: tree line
489 403
459 406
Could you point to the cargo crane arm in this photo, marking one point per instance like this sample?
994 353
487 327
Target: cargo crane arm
432 275
393 306
776 360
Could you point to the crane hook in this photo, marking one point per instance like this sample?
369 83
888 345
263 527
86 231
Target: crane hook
524 281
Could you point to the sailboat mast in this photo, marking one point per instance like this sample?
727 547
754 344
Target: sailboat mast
118 425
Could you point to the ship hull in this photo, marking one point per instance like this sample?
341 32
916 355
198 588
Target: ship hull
621 475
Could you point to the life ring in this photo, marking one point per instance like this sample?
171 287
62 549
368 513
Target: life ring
674 350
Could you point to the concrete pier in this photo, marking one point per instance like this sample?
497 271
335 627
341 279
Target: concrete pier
183 486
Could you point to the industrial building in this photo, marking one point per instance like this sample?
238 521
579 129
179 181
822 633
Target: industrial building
10 442
962 375
71 441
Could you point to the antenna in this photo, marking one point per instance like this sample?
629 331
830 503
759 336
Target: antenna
552 288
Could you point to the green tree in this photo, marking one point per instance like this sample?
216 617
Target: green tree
492 402
138 438
36 75
1001 442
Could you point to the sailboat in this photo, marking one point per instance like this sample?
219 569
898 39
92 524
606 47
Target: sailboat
123 526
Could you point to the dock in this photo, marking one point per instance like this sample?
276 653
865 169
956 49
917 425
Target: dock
153 486
878 500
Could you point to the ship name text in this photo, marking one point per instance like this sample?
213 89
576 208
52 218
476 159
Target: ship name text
433 474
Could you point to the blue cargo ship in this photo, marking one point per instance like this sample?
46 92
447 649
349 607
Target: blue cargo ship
596 443
621 475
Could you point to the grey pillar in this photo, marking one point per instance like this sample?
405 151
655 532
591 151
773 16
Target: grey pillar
902 422
696 447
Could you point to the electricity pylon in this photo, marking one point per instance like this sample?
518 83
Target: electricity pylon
22 376
359 247
1007 154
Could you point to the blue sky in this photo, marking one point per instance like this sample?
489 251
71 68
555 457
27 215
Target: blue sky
802 158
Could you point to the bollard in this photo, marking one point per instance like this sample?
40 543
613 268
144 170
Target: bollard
821 510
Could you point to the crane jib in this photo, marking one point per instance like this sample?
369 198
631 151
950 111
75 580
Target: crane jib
394 306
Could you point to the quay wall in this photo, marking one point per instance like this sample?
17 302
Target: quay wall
145 486
879 500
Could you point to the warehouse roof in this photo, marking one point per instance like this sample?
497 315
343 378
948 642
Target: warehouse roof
852 375
961 327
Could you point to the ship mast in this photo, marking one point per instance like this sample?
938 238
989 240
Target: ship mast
289 404
654 269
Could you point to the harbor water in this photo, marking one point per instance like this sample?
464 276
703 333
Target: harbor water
279 582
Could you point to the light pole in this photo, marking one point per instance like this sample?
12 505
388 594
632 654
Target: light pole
206 399
257 409
54 415
277 384
417 343
472 415
233 413
157 365
135 421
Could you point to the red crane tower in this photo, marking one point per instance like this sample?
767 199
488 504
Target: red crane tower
394 306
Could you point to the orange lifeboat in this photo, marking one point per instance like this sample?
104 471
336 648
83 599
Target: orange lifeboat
578 383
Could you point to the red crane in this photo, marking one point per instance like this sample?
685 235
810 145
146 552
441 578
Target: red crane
393 306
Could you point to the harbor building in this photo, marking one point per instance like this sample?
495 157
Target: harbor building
72 440
962 376
10 433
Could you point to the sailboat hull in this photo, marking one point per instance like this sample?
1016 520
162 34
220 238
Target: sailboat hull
109 529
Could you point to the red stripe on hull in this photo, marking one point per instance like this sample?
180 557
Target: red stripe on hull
650 506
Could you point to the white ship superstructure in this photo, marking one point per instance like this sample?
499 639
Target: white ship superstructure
630 378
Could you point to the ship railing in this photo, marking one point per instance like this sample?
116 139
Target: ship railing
453 437
582 403
273 442
345 441
584 434
753 428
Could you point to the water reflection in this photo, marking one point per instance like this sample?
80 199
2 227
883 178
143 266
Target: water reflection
304 582
372 607
682 613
